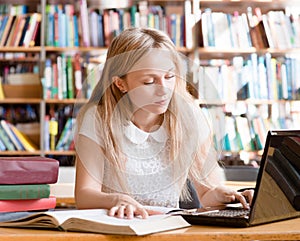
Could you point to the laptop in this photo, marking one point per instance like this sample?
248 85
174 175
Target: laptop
277 191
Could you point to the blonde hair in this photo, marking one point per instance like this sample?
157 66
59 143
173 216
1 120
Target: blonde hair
124 52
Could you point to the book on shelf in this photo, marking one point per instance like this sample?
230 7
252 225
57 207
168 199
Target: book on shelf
70 80
18 32
66 135
34 22
13 138
84 23
2 146
25 191
27 204
6 140
22 138
23 33
28 170
13 31
4 21
7 29
96 221
243 128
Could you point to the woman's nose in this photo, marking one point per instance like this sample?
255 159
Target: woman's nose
161 87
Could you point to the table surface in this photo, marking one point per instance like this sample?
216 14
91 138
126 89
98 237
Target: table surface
283 230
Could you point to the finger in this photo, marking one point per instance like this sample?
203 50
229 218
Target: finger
248 194
141 211
242 200
154 212
112 211
120 211
129 212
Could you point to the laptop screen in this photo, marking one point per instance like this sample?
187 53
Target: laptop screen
277 193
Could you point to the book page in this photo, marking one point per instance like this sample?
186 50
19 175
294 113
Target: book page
99 215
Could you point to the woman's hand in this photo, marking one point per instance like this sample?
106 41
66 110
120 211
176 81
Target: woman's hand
227 195
126 207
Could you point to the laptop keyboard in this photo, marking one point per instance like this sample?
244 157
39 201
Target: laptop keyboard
228 213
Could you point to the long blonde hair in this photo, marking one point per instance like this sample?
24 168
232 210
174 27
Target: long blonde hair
123 53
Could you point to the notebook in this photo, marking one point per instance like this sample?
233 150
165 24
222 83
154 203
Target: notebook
277 191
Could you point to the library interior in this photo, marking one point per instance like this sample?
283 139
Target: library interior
242 58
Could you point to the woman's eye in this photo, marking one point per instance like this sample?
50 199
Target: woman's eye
169 76
149 82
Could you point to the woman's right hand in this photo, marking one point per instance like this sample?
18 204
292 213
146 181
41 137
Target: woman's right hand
126 207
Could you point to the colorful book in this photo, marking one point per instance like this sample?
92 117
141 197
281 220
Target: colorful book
24 139
28 170
30 191
70 81
18 36
35 20
18 145
13 31
7 29
27 205
25 27
84 23
6 140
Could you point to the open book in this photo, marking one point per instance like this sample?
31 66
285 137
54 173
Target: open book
92 220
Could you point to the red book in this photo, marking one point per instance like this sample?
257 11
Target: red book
34 36
28 170
27 205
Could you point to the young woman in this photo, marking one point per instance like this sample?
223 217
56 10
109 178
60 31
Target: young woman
141 136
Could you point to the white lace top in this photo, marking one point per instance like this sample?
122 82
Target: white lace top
149 177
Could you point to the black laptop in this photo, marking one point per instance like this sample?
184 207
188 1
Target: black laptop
277 190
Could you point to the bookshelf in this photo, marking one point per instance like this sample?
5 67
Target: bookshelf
89 55
92 54
228 62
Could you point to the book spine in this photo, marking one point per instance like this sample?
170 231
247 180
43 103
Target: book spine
18 192
25 141
28 170
11 135
27 205
34 20
6 140
70 84
84 23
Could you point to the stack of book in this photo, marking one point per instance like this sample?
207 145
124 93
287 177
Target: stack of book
25 183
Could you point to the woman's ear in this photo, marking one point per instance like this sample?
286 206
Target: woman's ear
120 83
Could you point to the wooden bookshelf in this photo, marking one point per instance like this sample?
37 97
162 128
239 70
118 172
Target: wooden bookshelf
43 51
20 101
285 108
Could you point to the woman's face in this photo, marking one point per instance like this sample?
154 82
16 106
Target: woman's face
150 84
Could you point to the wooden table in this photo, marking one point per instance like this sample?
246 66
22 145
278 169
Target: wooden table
284 230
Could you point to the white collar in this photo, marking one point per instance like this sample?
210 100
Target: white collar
138 136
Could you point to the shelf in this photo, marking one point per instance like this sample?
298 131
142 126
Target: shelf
21 49
20 101
72 50
20 153
233 5
212 52
247 101
60 153
220 53
66 101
